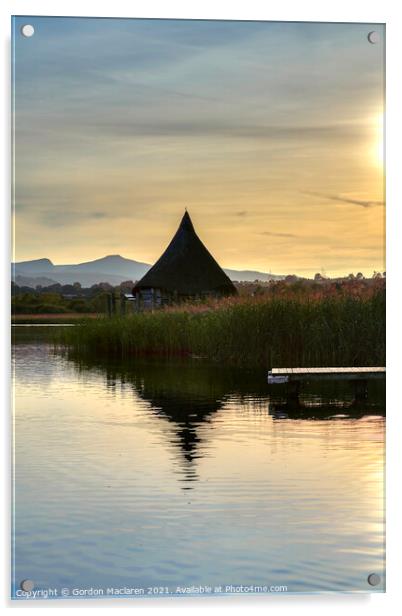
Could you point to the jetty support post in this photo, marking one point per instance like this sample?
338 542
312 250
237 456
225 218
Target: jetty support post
292 393
292 387
361 390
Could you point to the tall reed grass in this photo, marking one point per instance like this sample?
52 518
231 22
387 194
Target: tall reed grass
333 330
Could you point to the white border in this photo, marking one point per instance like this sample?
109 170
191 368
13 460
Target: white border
286 10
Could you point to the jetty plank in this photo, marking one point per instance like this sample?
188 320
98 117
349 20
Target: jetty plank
282 375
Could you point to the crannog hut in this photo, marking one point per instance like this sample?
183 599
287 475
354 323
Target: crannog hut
186 270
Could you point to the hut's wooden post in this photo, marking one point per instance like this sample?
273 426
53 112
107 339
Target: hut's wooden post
118 303
109 304
113 302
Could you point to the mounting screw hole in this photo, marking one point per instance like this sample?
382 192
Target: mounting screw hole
27 585
374 579
27 30
373 37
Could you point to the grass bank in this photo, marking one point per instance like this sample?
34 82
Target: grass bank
344 330
43 318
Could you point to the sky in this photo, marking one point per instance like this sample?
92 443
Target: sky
269 133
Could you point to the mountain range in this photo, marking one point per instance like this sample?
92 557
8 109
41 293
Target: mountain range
113 269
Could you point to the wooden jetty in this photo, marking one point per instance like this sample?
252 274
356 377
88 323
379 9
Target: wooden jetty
293 377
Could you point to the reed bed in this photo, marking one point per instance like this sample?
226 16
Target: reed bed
333 329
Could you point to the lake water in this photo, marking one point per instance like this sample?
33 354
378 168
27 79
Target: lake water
165 475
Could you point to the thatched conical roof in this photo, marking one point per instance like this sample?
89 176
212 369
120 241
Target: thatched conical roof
187 267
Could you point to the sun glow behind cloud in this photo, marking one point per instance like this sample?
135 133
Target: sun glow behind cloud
379 147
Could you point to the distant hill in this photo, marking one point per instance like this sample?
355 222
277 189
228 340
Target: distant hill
112 268
33 281
37 265
251 276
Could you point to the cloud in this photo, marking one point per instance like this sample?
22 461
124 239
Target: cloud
366 203
275 234
216 127
55 218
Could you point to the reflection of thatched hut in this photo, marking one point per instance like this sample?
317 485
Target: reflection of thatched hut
185 270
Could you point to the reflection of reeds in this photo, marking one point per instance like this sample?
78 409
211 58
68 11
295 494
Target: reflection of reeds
320 328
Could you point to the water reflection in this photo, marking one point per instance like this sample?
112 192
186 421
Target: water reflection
326 411
185 393
188 393
106 453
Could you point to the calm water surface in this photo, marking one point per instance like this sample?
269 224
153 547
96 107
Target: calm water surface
167 475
